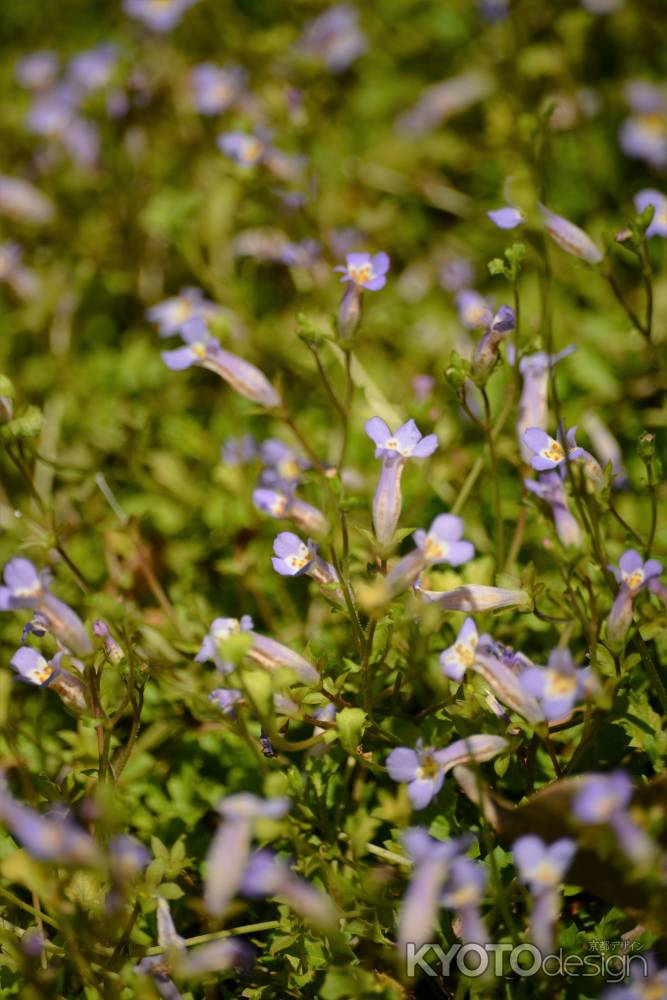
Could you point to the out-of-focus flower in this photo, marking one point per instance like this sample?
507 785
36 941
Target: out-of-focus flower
549 487
486 353
226 700
442 543
503 681
657 199
93 68
457 658
112 649
26 588
20 200
216 88
33 667
607 448
423 386
172 314
474 311
542 867
81 139
266 876
245 149
334 38
548 453
533 405
52 112
281 502
476 598
394 449
604 800
602 6
127 857
424 769
558 686
239 451
507 217
570 238
643 135
204 351
38 70
464 891
641 985
455 273
493 10
158 15
433 860
633 574
230 848
365 271
49 836
263 650
442 101
20 279
282 465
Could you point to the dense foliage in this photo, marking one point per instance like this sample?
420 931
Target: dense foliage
324 637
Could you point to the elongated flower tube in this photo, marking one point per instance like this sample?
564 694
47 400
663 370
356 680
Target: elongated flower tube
203 350
25 587
35 669
432 861
263 650
230 848
634 575
486 353
533 404
266 875
505 684
476 598
281 502
47 836
549 487
571 238
424 769
394 450
542 868
461 655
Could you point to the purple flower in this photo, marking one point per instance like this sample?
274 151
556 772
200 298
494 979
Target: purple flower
548 453
282 465
158 15
433 860
38 70
81 139
266 876
52 112
474 311
442 542
230 848
607 447
365 271
394 450
441 101
463 892
282 503
172 314
293 558
225 699
216 88
239 451
644 136
559 686
200 347
571 238
533 408
633 574
542 867
93 68
424 769
20 200
503 681
604 799
649 196
455 274
456 659
48 837
26 588
127 857
643 985
220 631
20 279
33 667
549 487
507 217
486 352
263 650
246 150
334 38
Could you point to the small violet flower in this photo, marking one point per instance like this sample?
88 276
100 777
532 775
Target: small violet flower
658 225
365 271
549 487
558 686
604 799
282 502
542 867
394 450
292 557
263 650
52 836
158 15
334 38
216 88
507 217
172 314
533 405
424 769
571 238
456 659
26 588
633 575
267 875
246 150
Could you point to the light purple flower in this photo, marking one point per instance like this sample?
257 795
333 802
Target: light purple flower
172 314
230 848
226 700
50 836
52 112
26 588
457 658
216 88
571 238
533 407
604 799
633 574
158 15
22 201
293 558
442 543
245 149
266 875
33 667
239 451
647 982
38 70
503 681
22 280
607 448
365 271
127 857
424 769
455 274
283 466
432 864
549 487
558 686
507 217
542 867
643 136
486 352
200 347
220 631
334 38
649 196
282 502
441 101
93 68
263 650
463 892
81 139
474 311
548 453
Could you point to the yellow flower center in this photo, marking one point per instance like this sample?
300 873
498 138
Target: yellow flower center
251 151
279 506
466 653
299 559
635 579
289 469
199 350
433 548
360 273
654 125
554 452
182 310
429 768
41 674
560 684
546 873
476 315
